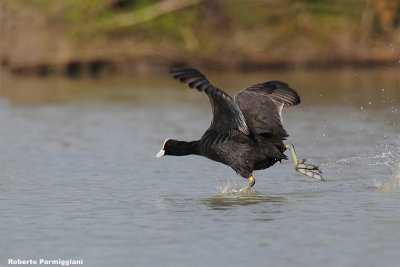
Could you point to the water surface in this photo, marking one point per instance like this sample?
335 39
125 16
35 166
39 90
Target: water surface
79 178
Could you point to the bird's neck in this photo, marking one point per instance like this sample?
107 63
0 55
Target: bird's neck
183 148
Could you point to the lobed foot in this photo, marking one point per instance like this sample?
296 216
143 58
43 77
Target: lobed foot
309 170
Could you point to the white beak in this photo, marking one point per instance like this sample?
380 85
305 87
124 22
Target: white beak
160 154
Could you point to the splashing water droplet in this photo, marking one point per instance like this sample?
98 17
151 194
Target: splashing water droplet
389 187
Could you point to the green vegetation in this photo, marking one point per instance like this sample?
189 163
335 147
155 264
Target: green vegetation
49 35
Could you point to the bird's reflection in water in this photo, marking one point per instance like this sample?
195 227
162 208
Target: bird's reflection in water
226 200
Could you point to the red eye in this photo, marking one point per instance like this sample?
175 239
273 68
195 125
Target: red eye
167 145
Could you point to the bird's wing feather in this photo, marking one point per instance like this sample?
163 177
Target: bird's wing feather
227 117
262 104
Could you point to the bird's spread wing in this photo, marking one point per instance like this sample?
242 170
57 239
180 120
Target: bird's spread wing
262 104
227 117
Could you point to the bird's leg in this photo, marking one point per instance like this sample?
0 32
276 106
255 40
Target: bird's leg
247 187
309 170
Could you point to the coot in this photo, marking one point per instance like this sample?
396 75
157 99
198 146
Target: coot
246 132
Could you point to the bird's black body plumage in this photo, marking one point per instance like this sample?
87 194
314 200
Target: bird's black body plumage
246 132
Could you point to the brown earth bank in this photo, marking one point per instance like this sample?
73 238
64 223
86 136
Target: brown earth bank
126 36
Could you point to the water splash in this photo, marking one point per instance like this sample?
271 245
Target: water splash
390 187
389 158
384 159
233 189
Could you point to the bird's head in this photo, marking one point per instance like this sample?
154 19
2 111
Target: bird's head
168 148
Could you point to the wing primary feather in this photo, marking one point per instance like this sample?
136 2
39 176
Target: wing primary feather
227 116
261 104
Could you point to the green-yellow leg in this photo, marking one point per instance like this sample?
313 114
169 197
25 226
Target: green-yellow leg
247 187
309 170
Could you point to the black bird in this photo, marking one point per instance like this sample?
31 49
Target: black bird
246 132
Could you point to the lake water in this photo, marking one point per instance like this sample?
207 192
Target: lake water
79 178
